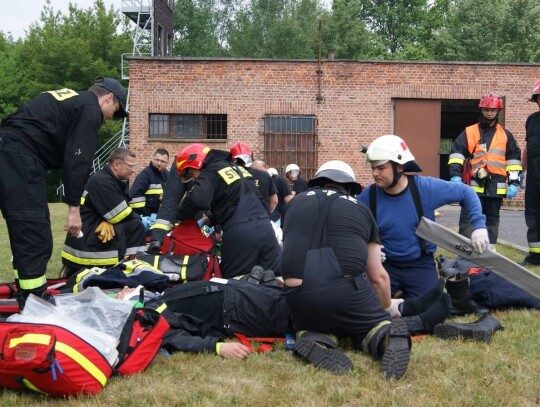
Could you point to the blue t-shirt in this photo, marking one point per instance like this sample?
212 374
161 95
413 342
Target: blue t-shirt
397 218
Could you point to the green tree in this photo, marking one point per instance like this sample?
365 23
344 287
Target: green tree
59 51
395 24
347 33
11 75
480 30
276 29
200 27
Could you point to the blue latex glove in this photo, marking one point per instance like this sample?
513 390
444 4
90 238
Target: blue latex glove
512 191
455 178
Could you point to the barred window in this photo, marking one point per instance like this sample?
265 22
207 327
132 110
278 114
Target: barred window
188 126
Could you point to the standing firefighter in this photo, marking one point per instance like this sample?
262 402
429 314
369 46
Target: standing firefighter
57 129
495 160
531 163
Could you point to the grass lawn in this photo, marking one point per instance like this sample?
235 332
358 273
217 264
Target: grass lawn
505 372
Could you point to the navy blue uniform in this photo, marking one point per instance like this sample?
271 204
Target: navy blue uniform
229 192
105 198
532 192
147 190
57 129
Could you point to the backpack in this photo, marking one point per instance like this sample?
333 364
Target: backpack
186 239
140 340
50 359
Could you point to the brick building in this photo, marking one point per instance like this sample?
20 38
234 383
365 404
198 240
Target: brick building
309 111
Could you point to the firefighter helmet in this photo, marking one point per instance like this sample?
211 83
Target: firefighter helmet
241 151
336 171
192 156
272 171
291 167
388 148
490 101
535 91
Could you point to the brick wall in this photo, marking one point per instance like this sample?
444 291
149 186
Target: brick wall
356 105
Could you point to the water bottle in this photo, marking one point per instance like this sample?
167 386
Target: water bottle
289 342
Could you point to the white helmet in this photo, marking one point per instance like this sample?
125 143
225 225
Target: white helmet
391 148
291 167
272 171
336 171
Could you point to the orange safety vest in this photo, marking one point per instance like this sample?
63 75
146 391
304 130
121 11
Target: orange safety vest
494 159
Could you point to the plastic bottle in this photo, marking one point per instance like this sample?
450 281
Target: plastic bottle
289 342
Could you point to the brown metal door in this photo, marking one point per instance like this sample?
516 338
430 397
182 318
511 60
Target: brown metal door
418 122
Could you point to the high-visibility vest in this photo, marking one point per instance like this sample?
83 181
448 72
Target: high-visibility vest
494 159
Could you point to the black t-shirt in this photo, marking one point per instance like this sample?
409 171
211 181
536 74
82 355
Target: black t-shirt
300 185
283 190
264 184
350 227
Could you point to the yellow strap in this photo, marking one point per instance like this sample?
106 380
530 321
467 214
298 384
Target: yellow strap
183 271
161 308
156 262
85 363
39 339
28 384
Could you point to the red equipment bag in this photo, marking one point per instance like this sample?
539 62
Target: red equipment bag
187 239
50 359
8 303
140 340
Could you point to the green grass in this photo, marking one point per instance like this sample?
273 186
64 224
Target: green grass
505 372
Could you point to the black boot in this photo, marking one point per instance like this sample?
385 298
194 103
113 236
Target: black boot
425 322
414 306
462 301
321 350
390 343
256 275
481 330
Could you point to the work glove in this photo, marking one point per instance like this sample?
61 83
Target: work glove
512 191
480 240
154 247
105 232
456 178
393 309
522 178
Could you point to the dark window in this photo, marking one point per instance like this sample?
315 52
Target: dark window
291 139
188 126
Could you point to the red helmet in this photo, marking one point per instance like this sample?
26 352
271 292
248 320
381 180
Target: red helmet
490 101
192 156
242 152
535 91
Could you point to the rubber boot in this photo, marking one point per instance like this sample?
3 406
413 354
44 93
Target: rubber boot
462 301
256 275
390 343
321 350
416 305
425 322
481 330
22 295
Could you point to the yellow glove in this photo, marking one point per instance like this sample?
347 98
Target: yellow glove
105 232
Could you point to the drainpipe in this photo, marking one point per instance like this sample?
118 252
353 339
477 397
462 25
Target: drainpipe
319 71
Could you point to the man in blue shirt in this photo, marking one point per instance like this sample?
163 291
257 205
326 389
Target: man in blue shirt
398 202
